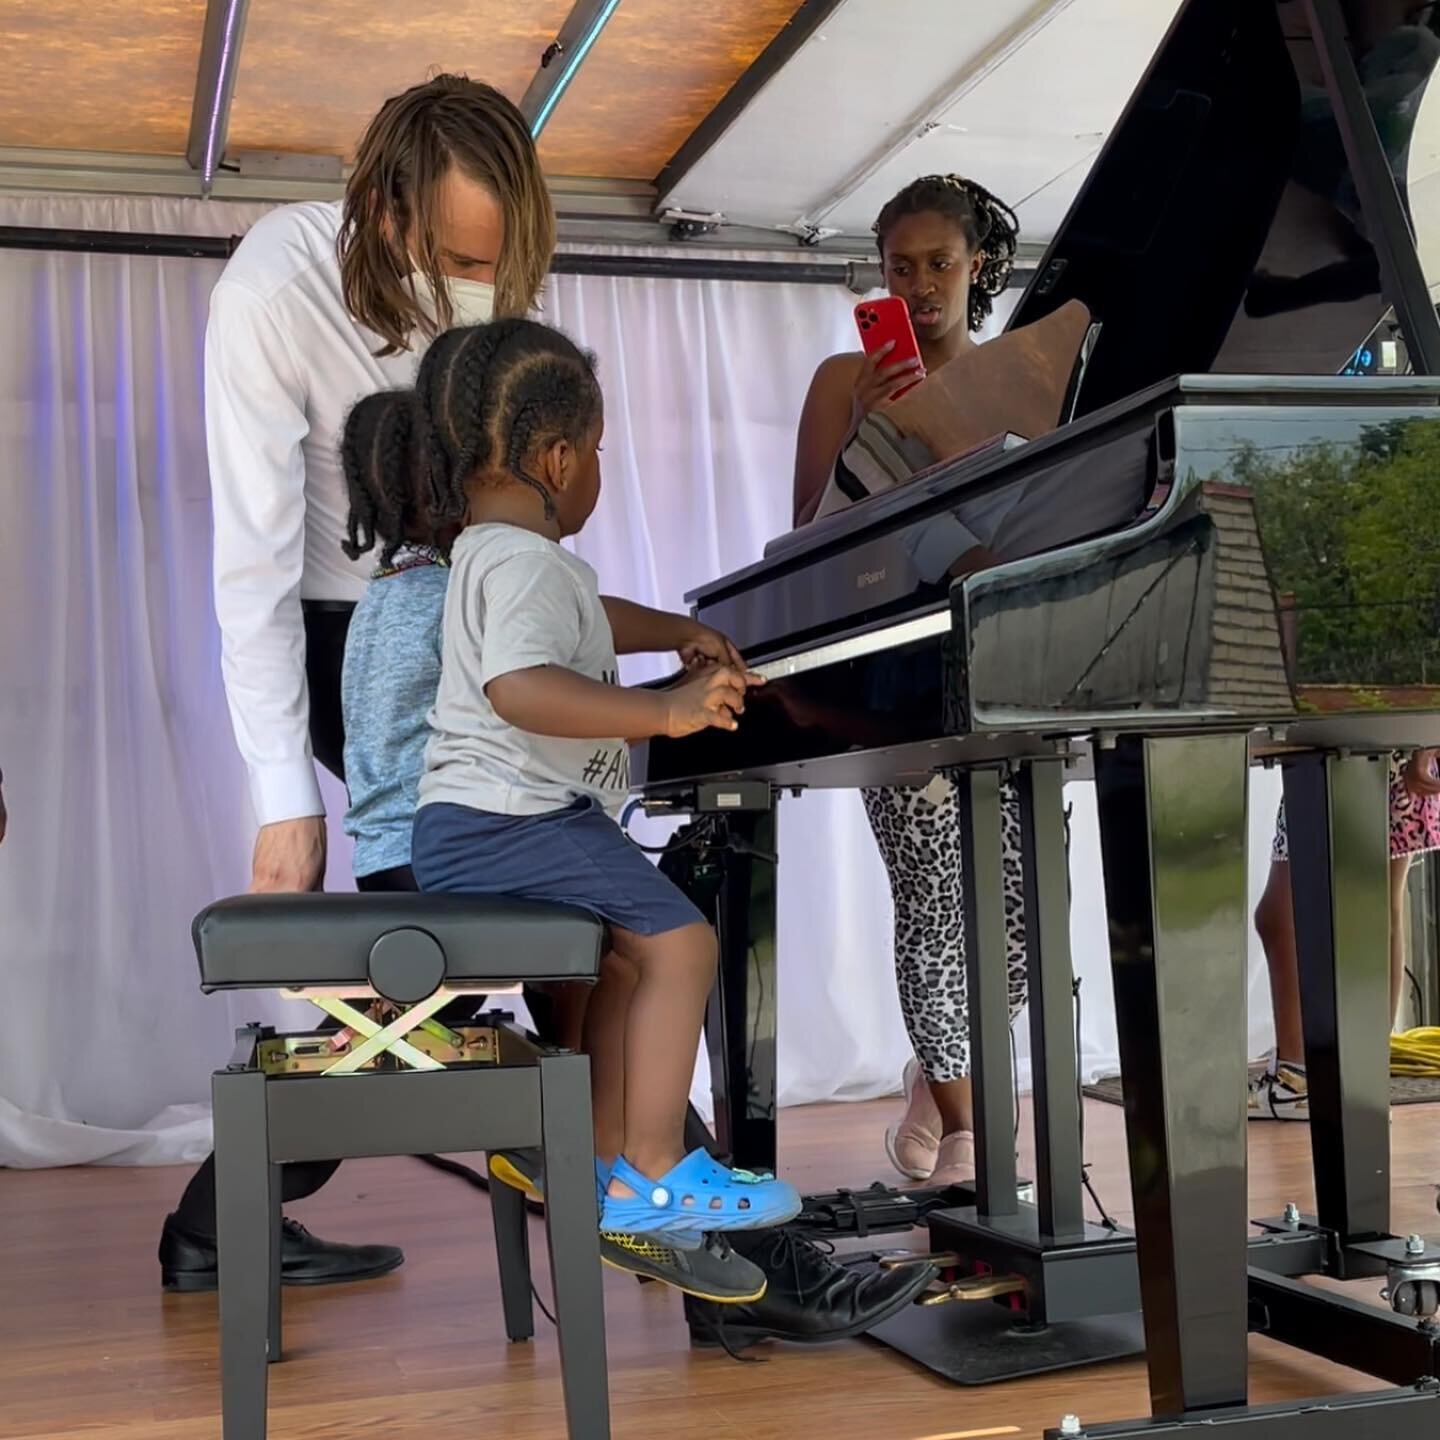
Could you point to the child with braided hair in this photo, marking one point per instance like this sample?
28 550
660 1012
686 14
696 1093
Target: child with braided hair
392 647
527 766
947 246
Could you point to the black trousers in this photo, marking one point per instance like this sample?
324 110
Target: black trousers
325 628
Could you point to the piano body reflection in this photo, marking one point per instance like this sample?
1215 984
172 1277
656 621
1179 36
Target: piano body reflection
1195 573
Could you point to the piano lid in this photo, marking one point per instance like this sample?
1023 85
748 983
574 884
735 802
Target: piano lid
1220 229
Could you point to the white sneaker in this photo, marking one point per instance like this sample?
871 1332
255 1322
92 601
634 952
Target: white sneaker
1282 1092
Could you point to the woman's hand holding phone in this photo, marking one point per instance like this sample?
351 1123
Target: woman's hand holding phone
892 363
880 377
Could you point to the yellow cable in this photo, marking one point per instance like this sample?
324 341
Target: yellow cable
1416 1053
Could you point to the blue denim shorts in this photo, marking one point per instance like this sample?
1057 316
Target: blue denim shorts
576 856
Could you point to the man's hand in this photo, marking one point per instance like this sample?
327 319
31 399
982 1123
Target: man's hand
289 856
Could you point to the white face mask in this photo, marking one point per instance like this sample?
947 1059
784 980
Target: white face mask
472 302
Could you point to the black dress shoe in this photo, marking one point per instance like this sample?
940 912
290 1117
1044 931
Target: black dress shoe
187 1260
810 1300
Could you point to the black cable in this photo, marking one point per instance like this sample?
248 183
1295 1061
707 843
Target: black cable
454 1167
1079 1064
1419 996
1105 1219
700 831
471 1176
543 1309
1015 1080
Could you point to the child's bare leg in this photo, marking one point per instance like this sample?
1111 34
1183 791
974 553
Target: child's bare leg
662 1033
603 1041
564 1017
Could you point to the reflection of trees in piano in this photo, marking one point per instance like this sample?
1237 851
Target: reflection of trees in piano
1352 537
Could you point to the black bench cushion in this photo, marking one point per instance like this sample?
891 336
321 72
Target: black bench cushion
270 942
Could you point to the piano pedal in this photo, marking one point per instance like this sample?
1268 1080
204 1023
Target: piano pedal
975 1287
941 1260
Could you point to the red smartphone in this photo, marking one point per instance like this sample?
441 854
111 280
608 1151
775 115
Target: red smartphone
881 321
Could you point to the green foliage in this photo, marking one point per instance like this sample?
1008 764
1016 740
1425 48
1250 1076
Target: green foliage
1353 532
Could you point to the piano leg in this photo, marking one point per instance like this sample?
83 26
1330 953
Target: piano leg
1173 837
1338 818
1059 1174
991 1077
740 1023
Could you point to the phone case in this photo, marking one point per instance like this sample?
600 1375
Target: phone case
880 321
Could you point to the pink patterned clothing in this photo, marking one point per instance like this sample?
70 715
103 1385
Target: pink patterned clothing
1414 819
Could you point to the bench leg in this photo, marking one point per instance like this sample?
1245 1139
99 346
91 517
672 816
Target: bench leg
572 1228
512 1250
274 1332
244 1229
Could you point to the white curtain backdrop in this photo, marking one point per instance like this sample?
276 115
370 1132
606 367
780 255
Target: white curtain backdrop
126 797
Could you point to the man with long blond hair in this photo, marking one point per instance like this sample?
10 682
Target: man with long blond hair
446 220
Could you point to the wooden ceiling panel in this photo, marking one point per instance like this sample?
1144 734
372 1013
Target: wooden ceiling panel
99 74
658 68
314 72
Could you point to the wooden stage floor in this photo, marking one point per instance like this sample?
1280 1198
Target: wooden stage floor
90 1349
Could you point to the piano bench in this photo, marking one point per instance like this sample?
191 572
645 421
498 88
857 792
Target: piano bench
392 1080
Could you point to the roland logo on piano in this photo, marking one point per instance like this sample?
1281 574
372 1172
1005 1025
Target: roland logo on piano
867 578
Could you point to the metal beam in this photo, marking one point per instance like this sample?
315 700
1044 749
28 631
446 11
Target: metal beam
656 267
215 87
590 211
97 172
563 58
932 113
103 172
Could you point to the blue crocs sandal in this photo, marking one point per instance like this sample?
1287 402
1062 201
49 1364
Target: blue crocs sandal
698 1197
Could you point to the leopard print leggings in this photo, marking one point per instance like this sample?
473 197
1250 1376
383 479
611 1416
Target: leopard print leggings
918 832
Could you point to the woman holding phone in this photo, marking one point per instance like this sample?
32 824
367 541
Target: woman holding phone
947 247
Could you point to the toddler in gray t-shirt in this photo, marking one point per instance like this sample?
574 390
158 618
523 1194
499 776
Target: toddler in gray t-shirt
527 765
519 601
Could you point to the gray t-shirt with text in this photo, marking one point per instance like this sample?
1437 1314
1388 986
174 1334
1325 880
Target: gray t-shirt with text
517 601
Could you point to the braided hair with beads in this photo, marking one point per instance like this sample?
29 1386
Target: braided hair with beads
489 397
381 460
988 224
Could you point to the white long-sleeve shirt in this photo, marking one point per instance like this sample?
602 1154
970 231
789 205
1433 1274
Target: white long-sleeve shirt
284 364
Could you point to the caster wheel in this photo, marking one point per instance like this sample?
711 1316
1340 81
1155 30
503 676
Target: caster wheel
1417 1298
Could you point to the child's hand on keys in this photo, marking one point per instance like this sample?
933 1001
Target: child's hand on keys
704 646
714 696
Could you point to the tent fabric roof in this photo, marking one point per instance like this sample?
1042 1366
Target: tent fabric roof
119 75
99 74
811 111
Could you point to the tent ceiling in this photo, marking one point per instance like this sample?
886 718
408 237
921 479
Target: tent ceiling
655 73
313 72
99 74
1018 93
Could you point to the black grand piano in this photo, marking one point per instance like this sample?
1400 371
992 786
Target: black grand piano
1219 560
